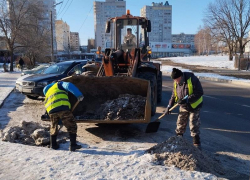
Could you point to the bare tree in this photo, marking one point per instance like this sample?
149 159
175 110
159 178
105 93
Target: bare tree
20 24
11 21
35 37
230 20
203 41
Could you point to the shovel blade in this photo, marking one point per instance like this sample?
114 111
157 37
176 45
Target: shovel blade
153 127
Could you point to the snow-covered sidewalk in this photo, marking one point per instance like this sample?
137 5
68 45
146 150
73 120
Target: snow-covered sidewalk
7 84
19 162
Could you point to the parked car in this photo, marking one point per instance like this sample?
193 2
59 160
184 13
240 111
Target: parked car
32 86
37 70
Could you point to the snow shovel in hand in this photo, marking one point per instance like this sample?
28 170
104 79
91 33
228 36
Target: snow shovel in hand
154 126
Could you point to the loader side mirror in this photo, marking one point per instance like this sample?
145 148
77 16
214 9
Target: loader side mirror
149 26
107 28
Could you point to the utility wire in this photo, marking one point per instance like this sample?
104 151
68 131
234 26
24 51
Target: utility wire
67 8
63 8
85 18
60 7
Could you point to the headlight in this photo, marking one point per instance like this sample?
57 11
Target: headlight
43 83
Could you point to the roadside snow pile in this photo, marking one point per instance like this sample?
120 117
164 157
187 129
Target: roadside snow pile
29 133
180 153
125 107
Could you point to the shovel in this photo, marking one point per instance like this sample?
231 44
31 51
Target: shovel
154 126
75 106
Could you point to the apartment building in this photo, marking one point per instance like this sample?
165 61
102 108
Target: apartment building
62 36
103 10
74 41
160 15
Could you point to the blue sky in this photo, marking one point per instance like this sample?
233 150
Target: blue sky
187 15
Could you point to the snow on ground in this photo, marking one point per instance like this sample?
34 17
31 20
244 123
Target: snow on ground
209 61
29 162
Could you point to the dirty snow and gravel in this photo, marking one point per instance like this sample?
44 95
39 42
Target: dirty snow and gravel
125 107
127 155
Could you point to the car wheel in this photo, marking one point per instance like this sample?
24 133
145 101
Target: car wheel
32 97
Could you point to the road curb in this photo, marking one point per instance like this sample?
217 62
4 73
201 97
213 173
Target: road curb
6 96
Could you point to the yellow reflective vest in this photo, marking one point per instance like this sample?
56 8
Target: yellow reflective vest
55 98
190 91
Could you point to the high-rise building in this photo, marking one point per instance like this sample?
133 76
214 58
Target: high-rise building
62 36
74 41
160 16
50 15
102 12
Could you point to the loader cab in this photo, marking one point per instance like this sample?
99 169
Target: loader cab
127 32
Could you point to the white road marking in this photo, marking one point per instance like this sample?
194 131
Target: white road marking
246 105
210 97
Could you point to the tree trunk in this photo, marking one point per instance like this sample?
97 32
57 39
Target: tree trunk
230 55
11 60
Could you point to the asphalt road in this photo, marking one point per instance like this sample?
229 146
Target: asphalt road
226 109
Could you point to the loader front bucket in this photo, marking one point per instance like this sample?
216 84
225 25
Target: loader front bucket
98 90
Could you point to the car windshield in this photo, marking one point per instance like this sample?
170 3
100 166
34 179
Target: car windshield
56 69
40 70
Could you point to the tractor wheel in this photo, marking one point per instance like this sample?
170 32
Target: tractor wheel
159 87
153 84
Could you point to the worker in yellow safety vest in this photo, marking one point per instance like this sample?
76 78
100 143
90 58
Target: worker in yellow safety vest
58 107
187 84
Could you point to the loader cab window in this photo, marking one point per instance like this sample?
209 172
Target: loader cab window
127 34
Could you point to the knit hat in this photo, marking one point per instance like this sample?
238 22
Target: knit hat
176 73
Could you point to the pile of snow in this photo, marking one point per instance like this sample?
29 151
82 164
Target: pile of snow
180 153
29 133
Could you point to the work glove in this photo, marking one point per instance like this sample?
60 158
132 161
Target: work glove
80 98
167 110
182 101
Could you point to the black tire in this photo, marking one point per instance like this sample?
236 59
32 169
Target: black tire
153 84
159 87
32 97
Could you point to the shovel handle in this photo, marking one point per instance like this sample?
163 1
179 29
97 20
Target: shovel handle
171 109
75 106
161 116
177 103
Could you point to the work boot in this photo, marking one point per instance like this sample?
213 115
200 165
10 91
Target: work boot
197 142
53 143
73 145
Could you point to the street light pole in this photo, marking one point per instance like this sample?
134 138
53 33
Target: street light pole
52 34
52 38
